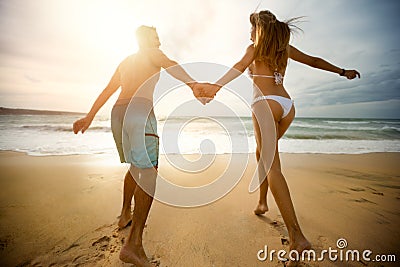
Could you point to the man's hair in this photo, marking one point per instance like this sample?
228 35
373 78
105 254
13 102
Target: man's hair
142 33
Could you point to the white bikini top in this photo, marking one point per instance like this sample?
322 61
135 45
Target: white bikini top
277 76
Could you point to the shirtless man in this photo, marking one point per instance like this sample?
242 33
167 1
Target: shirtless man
139 131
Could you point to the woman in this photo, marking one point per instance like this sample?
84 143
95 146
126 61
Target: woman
267 60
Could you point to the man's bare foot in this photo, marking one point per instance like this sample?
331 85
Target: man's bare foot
135 256
125 219
261 209
300 247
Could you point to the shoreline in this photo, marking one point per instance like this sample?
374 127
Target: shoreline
105 154
63 209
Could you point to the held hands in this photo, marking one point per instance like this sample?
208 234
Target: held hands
82 124
205 92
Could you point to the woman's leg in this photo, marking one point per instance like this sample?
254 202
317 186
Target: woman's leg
262 205
277 112
284 124
277 183
280 191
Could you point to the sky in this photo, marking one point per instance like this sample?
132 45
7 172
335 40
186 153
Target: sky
59 55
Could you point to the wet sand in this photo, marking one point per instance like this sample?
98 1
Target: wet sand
62 211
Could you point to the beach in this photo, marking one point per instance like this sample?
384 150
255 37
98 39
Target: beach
221 84
62 211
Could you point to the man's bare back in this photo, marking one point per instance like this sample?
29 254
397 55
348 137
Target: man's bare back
134 71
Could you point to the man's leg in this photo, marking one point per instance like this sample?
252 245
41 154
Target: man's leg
133 251
129 188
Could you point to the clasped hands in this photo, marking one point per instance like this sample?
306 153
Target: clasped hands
205 92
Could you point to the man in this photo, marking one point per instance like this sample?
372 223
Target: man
139 131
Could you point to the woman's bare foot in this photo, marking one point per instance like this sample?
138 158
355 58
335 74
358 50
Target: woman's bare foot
125 219
300 247
261 208
134 255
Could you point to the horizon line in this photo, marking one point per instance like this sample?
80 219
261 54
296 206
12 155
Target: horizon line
29 111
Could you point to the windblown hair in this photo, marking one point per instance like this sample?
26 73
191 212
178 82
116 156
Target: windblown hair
142 33
272 38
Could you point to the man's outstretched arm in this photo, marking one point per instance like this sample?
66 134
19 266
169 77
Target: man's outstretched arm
171 66
176 71
84 123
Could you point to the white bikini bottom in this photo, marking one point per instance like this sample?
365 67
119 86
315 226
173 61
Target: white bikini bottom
286 103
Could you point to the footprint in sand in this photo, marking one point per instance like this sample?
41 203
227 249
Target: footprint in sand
284 240
88 190
77 258
374 191
155 260
95 248
4 241
363 200
382 219
97 176
102 242
357 189
276 224
321 243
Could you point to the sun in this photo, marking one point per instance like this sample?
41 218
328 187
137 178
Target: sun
109 26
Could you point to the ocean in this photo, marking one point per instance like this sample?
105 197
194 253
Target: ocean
42 135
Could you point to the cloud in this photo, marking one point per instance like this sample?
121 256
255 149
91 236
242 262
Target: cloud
69 50
373 109
182 36
380 86
31 79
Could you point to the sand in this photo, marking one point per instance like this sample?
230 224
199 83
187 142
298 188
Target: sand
62 211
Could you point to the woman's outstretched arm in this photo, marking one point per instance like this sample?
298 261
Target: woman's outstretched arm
211 89
320 63
238 68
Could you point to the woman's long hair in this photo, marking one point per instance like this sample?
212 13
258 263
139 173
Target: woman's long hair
272 39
